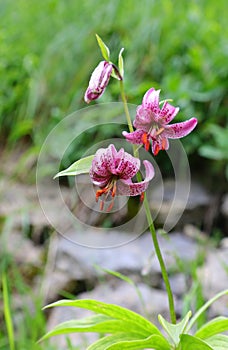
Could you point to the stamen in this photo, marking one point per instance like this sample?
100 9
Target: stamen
164 144
157 149
145 141
100 192
111 188
110 206
142 197
101 205
160 131
114 189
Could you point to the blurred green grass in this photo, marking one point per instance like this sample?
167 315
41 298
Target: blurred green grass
48 51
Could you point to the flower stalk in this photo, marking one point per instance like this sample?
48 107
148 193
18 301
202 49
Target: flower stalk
126 110
150 220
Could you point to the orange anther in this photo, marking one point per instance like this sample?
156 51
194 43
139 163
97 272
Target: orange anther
101 205
164 143
142 196
145 141
157 149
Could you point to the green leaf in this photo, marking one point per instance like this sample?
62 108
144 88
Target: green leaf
211 152
204 307
215 326
175 330
98 324
188 342
218 342
130 341
154 342
7 313
106 342
104 49
116 274
81 166
121 63
111 310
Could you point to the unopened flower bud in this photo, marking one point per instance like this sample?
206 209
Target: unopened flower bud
98 81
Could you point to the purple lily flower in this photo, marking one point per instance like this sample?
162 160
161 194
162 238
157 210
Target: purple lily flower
113 171
151 124
98 81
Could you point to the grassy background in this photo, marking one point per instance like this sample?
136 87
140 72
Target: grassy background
48 51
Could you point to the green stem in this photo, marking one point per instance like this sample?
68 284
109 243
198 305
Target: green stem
150 221
161 260
126 110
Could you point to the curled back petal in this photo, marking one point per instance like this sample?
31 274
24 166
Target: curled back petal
134 137
128 167
168 112
178 130
128 188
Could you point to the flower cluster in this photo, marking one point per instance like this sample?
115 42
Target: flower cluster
113 170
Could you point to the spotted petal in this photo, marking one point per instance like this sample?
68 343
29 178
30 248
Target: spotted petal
128 188
178 130
101 161
128 167
151 100
144 118
99 180
168 112
117 157
134 137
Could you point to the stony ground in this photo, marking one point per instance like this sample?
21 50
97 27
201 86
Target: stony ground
53 262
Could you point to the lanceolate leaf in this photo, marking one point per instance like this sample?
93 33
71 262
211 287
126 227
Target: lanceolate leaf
81 166
188 342
122 341
111 310
154 342
218 342
98 324
104 49
218 325
205 307
106 342
175 330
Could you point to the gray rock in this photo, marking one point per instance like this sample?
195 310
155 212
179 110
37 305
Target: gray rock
179 211
178 284
72 262
20 202
214 278
22 249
